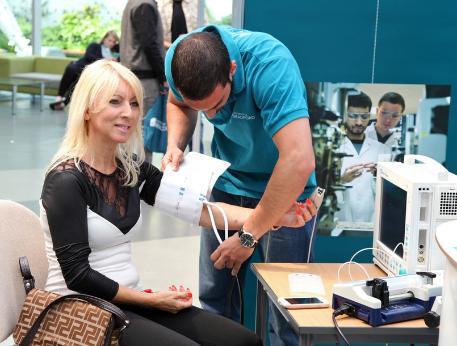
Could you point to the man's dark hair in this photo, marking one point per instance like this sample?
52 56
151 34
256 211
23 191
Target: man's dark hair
393 98
360 100
200 62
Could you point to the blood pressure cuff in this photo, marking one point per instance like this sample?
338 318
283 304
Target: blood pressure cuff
183 192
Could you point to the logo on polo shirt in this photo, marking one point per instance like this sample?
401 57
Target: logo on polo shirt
242 116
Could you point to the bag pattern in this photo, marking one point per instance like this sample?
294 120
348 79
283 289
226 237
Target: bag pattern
73 322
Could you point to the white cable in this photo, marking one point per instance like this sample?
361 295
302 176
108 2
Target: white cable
361 250
350 276
267 252
310 243
213 223
375 41
402 245
241 298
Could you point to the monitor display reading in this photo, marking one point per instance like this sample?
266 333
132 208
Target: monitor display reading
393 212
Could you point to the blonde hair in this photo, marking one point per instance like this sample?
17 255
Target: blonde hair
111 33
97 84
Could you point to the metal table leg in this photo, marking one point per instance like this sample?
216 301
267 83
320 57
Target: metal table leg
305 340
261 313
42 85
13 100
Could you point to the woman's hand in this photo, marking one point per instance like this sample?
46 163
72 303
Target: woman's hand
298 214
171 301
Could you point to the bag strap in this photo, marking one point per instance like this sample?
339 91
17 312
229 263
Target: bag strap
120 318
27 277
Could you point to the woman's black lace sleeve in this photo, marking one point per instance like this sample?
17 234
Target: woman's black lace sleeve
64 198
151 176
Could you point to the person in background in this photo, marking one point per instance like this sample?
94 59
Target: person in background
359 168
248 85
388 114
142 49
141 46
108 48
90 211
174 13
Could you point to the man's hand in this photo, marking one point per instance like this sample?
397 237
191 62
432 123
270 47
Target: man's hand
371 168
173 156
231 254
351 173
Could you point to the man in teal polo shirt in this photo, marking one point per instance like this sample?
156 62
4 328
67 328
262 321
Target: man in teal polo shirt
248 85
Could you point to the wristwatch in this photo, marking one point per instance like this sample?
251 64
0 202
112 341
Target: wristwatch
247 239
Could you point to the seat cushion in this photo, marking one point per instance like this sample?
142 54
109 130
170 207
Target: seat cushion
53 65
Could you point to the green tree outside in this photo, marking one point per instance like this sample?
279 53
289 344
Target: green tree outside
75 30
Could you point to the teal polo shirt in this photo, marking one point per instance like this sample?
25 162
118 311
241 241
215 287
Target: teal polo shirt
267 94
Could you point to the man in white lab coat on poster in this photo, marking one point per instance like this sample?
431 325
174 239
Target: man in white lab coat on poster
388 114
359 169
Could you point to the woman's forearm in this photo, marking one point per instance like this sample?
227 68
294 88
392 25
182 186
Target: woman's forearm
236 216
126 295
171 301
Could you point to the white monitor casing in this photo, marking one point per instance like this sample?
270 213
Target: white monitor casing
431 199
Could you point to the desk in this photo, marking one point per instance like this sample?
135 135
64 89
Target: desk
13 83
315 325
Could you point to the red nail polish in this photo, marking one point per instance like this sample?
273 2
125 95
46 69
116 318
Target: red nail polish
302 205
308 201
148 290
189 294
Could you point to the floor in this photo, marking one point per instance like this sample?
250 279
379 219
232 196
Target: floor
166 252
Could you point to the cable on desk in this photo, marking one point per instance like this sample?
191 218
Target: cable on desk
343 309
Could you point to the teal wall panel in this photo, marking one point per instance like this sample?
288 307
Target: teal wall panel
334 40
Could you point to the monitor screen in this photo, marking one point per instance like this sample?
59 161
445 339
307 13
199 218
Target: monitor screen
392 217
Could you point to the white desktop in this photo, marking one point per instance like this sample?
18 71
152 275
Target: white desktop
446 237
412 199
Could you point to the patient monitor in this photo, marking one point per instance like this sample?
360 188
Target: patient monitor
412 199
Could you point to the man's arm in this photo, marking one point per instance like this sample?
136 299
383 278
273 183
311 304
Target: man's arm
292 170
181 122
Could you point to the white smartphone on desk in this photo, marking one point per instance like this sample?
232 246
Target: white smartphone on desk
303 302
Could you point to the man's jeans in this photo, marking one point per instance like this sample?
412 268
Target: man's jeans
218 288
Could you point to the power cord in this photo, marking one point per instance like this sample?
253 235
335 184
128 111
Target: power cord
344 309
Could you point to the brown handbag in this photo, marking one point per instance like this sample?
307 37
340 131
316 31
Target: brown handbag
47 318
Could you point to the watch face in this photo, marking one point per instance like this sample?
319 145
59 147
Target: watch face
247 240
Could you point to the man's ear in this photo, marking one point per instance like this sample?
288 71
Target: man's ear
232 69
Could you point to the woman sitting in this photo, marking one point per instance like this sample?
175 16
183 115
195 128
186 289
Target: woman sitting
108 48
90 211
